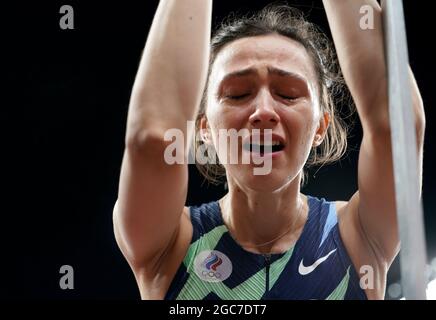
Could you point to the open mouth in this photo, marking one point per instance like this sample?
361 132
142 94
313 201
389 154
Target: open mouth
275 146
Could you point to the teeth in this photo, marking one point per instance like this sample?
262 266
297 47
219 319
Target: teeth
274 143
261 147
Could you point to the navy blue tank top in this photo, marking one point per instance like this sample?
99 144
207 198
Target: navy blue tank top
217 267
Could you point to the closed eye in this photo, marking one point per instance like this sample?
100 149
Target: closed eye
238 97
287 97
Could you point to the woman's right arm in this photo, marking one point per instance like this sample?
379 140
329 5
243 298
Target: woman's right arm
167 91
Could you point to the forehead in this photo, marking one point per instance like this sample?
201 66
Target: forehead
269 50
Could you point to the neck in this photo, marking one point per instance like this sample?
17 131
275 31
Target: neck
265 222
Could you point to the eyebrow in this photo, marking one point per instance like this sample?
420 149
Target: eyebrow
271 70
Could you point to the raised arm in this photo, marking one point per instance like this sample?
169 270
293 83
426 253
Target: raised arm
370 214
167 91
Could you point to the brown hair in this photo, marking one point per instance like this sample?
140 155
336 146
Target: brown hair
289 22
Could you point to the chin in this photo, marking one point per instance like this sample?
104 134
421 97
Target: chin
272 182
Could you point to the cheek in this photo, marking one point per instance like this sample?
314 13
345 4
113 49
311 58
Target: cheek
217 120
301 127
222 117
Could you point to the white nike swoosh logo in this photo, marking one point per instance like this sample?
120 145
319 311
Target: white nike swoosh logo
306 270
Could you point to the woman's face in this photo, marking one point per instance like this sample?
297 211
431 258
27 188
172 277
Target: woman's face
265 82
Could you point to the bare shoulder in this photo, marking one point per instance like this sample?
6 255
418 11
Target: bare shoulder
340 205
364 258
154 285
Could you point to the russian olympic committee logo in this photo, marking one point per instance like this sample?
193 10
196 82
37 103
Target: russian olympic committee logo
212 266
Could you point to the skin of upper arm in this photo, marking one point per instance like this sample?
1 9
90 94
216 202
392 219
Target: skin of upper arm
363 256
371 212
150 201
154 281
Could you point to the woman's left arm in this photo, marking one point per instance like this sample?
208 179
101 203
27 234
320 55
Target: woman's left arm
361 56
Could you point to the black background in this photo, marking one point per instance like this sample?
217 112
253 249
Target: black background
65 102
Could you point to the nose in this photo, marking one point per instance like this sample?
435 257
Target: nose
264 114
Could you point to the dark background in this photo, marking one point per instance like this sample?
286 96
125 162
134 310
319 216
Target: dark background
65 102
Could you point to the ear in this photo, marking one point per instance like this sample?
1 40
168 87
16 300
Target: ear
320 133
205 130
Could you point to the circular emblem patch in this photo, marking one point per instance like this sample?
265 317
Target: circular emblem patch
212 266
